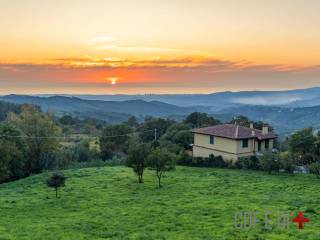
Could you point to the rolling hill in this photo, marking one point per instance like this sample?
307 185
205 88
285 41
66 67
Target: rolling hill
221 100
194 203
286 117
284 120
102 109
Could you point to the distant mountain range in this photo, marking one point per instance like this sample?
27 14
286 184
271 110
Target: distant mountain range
287 111
112 111
217 101
284 120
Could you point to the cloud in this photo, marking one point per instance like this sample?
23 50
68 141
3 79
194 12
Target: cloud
99 40
267 100
183 74
194 63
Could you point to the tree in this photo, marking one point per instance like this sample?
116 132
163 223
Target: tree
179 134
302 146
269 162
132 121
12 153
114 139
161 160
56 181
287 162
317 144
137 159
315 168
245 122
147 128
40 131
6 107
68 120
197 119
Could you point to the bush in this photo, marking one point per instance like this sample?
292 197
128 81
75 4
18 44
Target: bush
217 162
287 162
251 162
211 161
184 159
269 162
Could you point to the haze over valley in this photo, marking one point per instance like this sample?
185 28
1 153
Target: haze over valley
287 111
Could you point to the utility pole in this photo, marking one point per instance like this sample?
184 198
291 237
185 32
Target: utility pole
155 134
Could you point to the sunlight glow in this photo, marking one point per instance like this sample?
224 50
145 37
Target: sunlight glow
113 80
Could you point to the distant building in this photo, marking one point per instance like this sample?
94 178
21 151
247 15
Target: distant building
231 141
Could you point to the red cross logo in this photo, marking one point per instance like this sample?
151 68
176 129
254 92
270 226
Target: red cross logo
301 220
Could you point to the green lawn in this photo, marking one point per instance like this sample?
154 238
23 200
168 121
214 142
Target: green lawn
195 203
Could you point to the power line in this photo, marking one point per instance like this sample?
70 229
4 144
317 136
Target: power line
69 137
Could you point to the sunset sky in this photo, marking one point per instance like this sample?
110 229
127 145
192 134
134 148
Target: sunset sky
148 46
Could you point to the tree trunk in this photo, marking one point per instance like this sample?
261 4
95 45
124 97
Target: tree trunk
140 178
159 179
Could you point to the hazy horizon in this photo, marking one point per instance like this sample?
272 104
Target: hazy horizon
146 94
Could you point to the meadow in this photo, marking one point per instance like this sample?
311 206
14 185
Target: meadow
194 203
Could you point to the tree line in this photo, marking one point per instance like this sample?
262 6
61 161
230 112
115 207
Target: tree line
32 141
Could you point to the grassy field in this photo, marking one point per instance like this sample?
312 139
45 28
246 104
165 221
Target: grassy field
195 203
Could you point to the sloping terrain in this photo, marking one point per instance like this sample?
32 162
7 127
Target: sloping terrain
284 120
221 100
194 203
76 105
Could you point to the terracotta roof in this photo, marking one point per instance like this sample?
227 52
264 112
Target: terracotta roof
234 132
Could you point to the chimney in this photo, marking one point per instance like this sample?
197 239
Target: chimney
251 125
253 133
265 130
237 131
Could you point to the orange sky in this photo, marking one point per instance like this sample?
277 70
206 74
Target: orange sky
123 46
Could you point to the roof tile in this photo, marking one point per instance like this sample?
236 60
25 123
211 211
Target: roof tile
234 132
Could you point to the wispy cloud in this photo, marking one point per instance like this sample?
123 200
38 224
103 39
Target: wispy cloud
99 40
207 64
192 73
108 43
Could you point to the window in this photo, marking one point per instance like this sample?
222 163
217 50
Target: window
245 143
211 139
267 144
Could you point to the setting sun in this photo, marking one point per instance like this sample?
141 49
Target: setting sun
159 119
113 80
225 45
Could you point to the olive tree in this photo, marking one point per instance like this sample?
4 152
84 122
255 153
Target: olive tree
161 160
315 168
137 159
56 181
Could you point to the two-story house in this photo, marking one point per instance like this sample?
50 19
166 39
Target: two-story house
231 141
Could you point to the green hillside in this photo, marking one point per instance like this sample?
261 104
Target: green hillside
195 203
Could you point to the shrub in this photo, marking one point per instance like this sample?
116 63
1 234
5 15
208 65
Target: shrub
184 159
251 162
217 162
287 162
211 161
269 162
